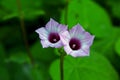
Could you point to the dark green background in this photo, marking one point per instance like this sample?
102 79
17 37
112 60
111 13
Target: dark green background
99 17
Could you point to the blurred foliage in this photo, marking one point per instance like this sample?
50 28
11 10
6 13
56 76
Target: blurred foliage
100 18
45 55
31 9
3 67
115 7
117 46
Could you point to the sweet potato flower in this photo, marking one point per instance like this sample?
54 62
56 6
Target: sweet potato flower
77 41
50 34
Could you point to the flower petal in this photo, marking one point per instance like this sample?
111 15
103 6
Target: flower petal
67 49
79 53
88 39
45 43
56 45
43 34
77 29
62 28
65 37
52 25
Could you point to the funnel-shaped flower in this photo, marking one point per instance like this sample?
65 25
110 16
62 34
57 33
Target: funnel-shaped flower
77 41
50 34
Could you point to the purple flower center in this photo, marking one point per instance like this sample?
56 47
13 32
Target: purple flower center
75 44
54 37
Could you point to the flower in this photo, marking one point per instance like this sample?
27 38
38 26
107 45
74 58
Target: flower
77 41
50 34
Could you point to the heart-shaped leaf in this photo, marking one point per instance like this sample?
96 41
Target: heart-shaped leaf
90 15
94 67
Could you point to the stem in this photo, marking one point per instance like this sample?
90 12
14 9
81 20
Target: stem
62 66
62 54
22 24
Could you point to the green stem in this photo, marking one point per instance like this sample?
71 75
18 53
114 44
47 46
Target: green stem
62 54
22 24
62 66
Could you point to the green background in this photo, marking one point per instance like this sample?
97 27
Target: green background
23 58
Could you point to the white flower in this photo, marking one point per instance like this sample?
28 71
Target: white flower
50 34
77 41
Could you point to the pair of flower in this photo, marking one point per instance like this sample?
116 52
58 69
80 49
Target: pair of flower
76 42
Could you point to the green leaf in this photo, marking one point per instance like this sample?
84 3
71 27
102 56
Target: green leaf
19 57
93 67
43 54
30 10
37 72
106 46
117 46
90 15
